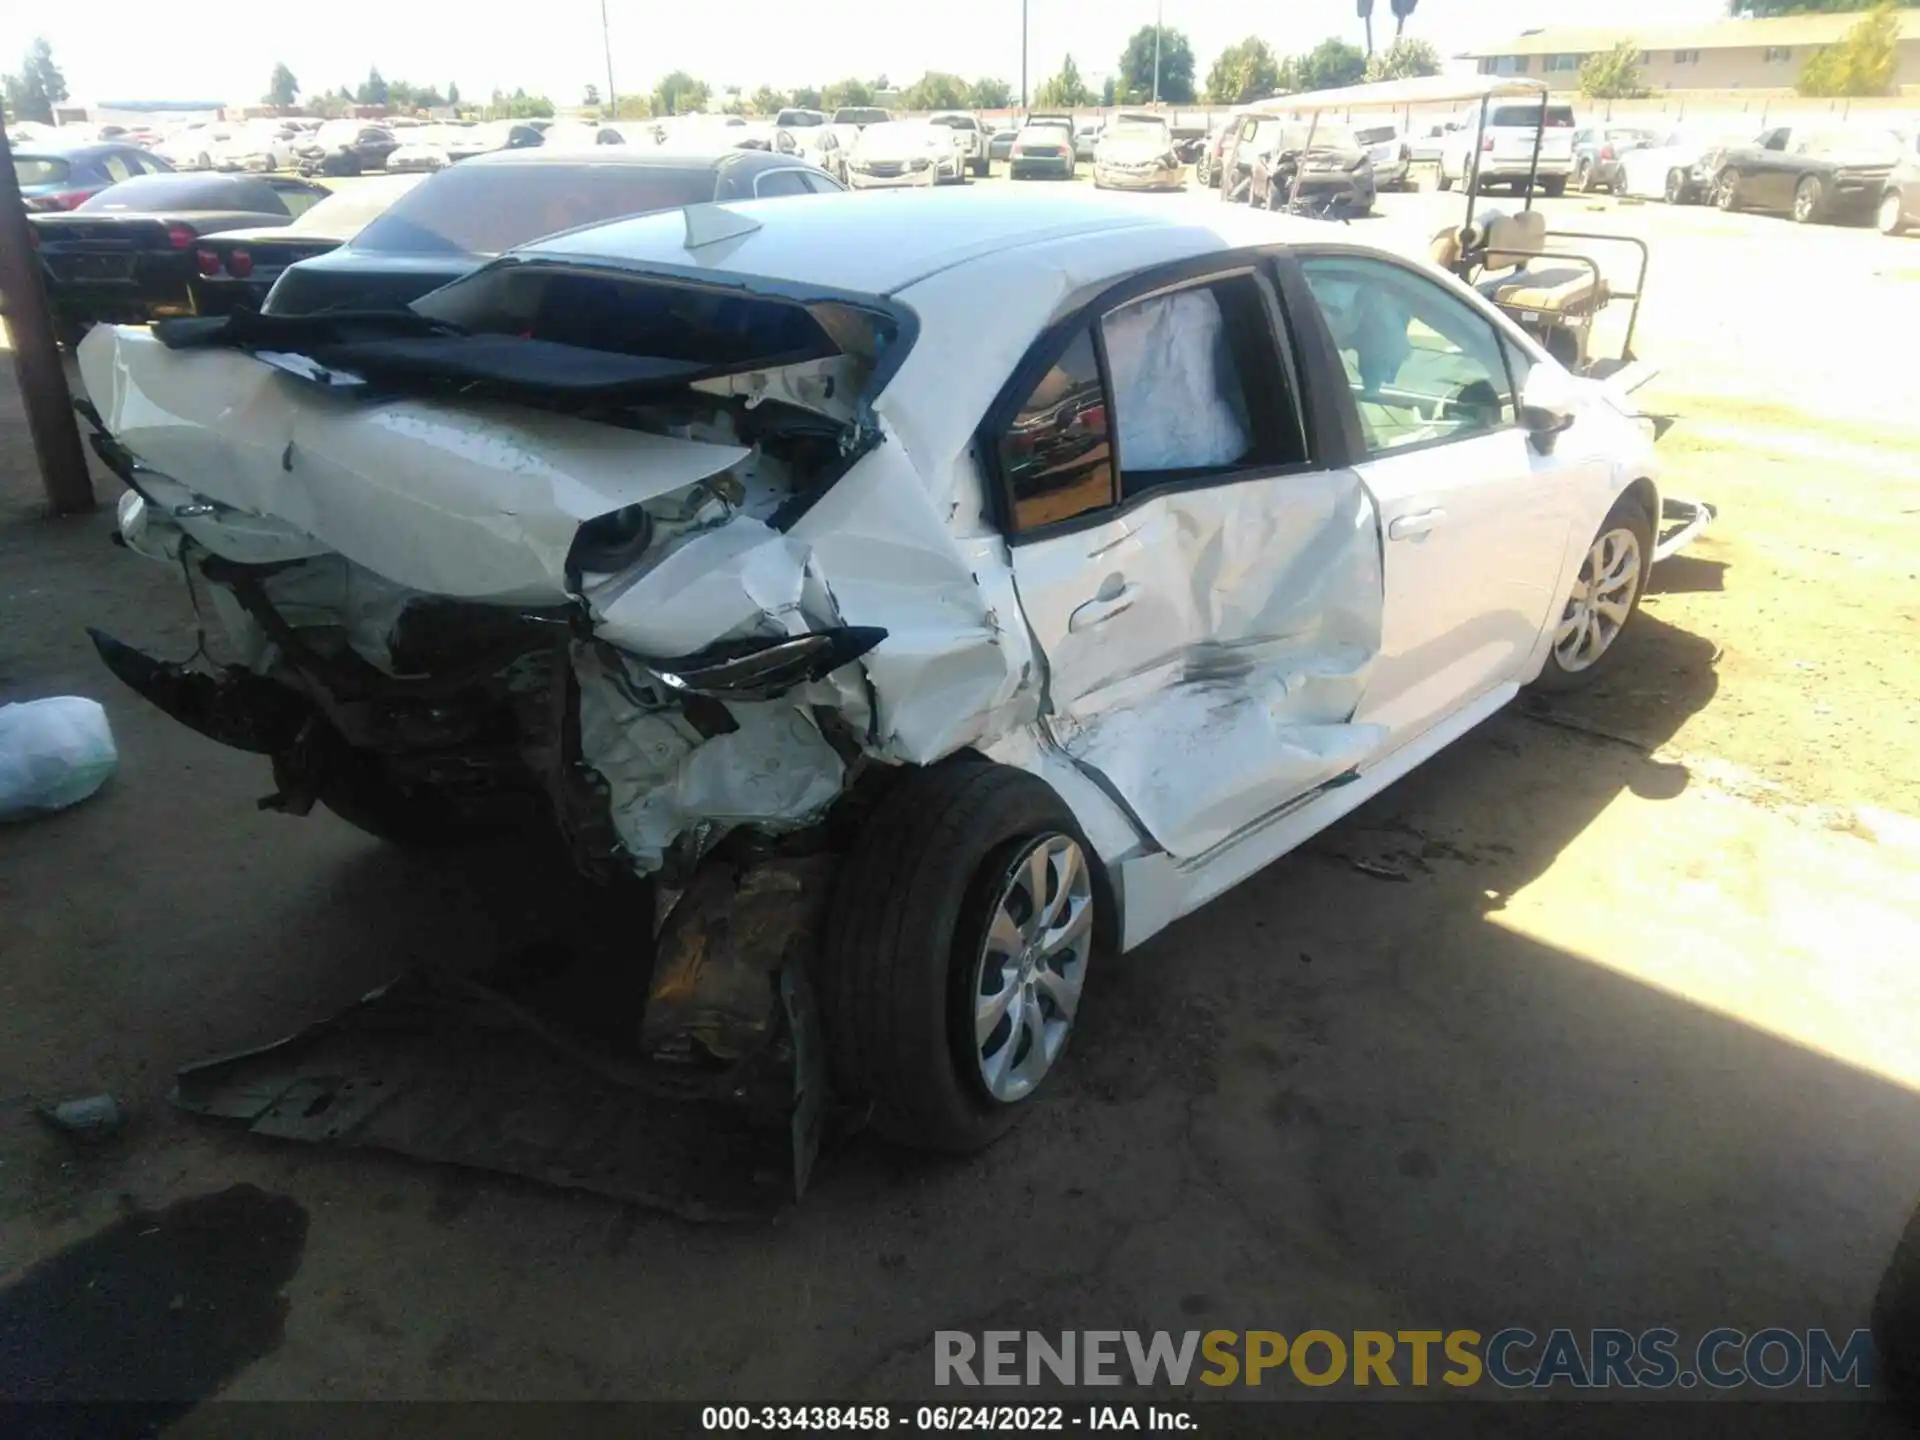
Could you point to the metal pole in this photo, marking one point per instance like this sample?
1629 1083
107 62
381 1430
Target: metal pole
1473 170
36 355
606 44
1539 134
1159 10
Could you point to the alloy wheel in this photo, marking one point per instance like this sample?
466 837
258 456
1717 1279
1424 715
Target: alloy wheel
1892 222
1806 200
1032 966
1601 600
1676 187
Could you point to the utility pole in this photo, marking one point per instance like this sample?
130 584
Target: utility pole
1159 9
606 44
1023 57
36 356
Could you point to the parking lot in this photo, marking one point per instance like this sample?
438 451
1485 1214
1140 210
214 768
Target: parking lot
1606 1017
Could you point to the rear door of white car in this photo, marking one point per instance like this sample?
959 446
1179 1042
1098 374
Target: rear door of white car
1201 574
1476 519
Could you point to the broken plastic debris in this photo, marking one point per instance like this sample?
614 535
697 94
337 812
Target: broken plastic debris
92 1117
53 753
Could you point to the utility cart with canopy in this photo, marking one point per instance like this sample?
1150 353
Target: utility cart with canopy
1545 279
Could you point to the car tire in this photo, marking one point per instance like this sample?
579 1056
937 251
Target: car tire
1809 201
1445 181
945 861
983 168
203 161
1676 187
1726 190
1891 217
1583 177
1620 559
1553 188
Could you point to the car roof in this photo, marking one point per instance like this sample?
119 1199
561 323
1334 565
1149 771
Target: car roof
89 150
883 242
663 157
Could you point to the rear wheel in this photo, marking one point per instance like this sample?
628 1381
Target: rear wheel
1809 200
956 951
1445 181
1604 596
1583 176
1891 217
1726 190
1555 186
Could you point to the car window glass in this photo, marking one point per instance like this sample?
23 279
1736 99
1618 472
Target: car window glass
116 167
823 184
40 170
485 209
1423 364
1055 455
781 182
1197 385
296 197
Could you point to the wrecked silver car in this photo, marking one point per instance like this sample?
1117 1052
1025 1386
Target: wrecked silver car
926 589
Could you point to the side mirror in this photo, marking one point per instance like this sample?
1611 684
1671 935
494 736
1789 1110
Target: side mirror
1549 403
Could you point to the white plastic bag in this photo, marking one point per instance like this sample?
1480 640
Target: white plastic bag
53 753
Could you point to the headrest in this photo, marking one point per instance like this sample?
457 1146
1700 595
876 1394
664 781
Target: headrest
1512 239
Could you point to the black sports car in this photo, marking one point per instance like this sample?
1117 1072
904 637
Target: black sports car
127 254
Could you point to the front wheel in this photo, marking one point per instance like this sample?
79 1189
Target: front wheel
1604 596
1809 200
1445 182
956 951
1726 190
983 168
1891 217
1676 187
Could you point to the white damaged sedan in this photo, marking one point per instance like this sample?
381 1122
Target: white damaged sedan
1019 572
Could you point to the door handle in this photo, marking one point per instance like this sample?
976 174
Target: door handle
1408 527
1102 608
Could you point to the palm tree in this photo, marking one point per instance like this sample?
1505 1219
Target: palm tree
1364 8
1402 11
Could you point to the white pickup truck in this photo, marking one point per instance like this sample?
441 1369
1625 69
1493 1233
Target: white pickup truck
1506 148
973 137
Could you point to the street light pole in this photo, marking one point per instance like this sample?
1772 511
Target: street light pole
1023 56
606 44
1159 9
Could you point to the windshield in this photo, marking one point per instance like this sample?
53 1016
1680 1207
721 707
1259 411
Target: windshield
483 209
1046 134
1376 135
799 118
1148 131
860 115
899 135
350 209
955 122
188 192
339 132
1527 117
39 170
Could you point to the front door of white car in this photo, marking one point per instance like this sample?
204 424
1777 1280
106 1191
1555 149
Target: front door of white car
1208 599
1476 520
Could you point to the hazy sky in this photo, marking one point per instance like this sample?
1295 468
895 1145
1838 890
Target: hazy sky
139 49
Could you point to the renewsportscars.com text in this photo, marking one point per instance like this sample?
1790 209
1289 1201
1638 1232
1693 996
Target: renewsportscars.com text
1515 1358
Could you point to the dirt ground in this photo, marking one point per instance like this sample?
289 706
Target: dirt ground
1635 1040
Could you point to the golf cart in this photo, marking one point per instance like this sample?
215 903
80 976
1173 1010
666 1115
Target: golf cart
1546 281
